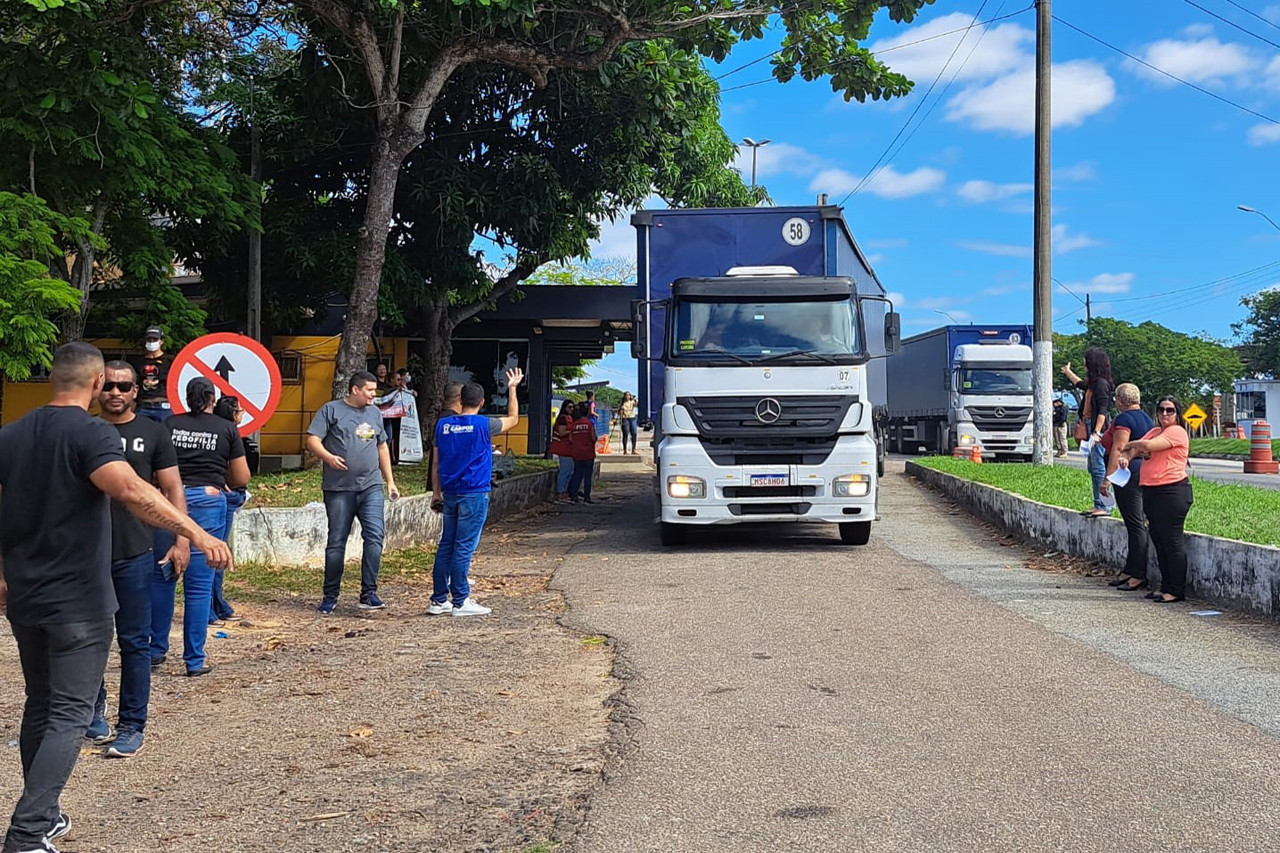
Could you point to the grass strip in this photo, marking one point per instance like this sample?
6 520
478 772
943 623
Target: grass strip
1235 447
1244 513
298 488
255 581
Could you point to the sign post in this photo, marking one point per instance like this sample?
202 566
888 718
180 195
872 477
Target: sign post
237 366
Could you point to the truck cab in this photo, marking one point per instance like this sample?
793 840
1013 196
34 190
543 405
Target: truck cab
767 415
992 399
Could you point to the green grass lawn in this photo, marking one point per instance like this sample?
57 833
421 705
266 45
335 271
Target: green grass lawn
1227 446
296 488
1246 513
252 581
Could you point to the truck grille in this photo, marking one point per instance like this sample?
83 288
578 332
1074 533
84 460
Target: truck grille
803 432
770 509
770 491
999 418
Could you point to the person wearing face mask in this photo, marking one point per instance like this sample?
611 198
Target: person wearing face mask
153 377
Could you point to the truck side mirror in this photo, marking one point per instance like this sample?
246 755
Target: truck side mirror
892 332
639 331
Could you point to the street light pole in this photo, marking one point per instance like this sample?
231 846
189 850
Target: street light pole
1042 348
1248 209
754 146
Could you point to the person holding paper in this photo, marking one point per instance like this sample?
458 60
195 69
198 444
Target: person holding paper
1131 421
1095 414
1166 494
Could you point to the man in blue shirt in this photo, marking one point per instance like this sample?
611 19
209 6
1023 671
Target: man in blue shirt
461 477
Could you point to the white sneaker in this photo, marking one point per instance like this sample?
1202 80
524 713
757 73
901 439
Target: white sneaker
440 609
470 608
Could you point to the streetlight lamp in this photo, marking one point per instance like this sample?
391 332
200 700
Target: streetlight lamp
1248 209
754 146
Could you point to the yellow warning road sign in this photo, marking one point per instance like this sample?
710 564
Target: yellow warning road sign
1194 415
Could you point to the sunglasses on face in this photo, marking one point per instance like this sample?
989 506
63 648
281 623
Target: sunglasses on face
124 387
1167 410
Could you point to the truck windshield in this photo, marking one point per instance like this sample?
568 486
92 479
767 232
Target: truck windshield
995 380
750 331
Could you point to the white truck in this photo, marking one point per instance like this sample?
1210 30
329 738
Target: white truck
963 386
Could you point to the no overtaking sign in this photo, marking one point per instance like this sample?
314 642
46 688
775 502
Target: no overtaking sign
238 367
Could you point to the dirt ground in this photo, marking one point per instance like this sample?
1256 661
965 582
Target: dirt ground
386 732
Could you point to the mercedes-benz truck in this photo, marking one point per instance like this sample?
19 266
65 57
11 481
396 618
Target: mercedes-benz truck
963 386
761 343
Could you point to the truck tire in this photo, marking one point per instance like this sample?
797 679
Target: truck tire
673 535
855 532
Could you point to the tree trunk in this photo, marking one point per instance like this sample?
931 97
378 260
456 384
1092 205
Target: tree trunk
438 353
371 251
82 279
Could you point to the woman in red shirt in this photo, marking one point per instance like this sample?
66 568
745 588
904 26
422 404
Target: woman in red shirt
582 447
561 449
1166 494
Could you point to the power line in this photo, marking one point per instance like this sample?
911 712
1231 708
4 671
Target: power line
1249 11
1265 268
875 53
941 95
1231 23
1200 89
872 172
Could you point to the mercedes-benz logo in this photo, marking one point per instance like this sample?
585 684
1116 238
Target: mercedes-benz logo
768 410
999 412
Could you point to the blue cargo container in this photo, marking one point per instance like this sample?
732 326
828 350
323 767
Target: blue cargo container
707 243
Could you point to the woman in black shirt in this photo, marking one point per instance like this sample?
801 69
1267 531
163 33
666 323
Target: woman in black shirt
1095 412
210 460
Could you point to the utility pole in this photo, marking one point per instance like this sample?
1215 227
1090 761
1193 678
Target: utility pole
255 234
754 146
1042 374
1088 315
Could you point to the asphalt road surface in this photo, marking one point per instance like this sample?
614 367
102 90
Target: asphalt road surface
925 692
1222 470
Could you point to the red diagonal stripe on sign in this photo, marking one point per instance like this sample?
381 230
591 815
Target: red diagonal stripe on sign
225 387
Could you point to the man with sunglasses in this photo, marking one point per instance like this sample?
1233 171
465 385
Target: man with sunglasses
149 451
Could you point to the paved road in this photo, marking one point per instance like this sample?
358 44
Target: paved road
924 693
1222 470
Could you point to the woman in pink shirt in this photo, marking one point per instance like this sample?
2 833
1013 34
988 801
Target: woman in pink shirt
1166 494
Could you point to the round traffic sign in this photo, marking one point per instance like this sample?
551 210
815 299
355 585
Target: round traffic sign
237 366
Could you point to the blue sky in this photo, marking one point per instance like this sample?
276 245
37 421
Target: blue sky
1147 171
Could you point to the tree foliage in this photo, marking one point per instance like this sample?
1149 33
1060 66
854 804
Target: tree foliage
1158 360
1261 333
28 294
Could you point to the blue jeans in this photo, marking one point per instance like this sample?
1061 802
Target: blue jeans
630 431
132 579
221 607
207 508
566 471
1097 466
582 477
159 414
464 517
342 508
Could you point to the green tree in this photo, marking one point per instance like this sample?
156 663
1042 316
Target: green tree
1158 360
408 52
1261 333
28 294
93 119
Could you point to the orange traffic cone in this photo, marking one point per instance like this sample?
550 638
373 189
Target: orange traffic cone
975 453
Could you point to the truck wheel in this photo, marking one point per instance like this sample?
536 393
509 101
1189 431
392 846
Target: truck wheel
673 534
855 532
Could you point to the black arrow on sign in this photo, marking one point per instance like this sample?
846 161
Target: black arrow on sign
224 369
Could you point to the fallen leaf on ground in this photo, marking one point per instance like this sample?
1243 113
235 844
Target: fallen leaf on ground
325 816
363 731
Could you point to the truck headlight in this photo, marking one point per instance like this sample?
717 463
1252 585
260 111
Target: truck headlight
851 486
966 439
684 486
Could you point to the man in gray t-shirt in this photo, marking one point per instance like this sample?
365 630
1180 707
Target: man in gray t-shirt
348 437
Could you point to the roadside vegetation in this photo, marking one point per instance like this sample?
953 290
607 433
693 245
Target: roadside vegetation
1237 447
298 488
1244 513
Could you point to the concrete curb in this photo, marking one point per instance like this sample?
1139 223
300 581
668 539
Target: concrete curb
295 536
1226 572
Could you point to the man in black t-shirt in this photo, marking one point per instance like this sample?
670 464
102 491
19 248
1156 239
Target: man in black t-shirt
58 466
149 451
153 377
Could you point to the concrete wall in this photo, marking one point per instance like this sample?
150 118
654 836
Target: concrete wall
296 536
1228 573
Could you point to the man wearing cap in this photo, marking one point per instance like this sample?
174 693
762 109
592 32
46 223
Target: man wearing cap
153 377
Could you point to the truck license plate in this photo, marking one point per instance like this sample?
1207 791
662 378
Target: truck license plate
768 479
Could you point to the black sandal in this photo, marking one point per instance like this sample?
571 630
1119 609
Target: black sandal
1131 588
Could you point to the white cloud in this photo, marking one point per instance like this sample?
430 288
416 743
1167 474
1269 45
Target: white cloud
887 183
897 299
777 158
1104 283
892 243
1273 74
1002 250
1077 174
1272 14
876 259
1081 88
1204 60
1264 134
1003 48
980 192
1064 241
